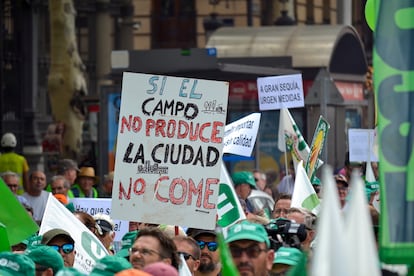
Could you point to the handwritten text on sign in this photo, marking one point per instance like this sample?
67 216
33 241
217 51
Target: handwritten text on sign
169 149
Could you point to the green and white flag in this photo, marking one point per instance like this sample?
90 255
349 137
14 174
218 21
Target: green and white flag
88 247
318 142
4 239
291 139
229 209
18 224
304 196
394 92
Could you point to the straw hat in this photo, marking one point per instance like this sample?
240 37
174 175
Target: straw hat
87 172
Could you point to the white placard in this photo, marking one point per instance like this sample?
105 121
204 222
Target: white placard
169 150
88 247
280 92
93 206
361 142
240 136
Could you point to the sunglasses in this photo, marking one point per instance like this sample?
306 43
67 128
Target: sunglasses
252 251
212 246
186 255
66 248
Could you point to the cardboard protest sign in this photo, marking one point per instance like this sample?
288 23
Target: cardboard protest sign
170 143
361 145
93 206
87 246
280 92
240 136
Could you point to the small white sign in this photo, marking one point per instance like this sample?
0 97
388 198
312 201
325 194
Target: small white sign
240 136
280 92
361 145
93 206
169 150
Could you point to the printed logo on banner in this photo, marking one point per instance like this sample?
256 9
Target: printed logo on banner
228 211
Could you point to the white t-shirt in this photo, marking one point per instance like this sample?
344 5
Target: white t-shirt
38 203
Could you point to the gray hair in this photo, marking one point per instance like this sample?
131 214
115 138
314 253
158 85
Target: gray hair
66 183
10 174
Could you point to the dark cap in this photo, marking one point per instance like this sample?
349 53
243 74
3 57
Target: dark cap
195 232
51 234
341 178
67 164
105 225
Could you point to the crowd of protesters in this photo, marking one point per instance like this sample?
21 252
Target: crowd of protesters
149 249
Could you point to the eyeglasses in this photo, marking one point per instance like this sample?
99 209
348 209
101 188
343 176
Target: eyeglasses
212 246
186 255
281 210
13 186
66 248
252 251
143 251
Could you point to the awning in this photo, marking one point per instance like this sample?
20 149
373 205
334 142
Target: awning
335 47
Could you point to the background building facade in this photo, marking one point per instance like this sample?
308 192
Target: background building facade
106 25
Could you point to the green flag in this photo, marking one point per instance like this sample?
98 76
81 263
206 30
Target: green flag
394 91
228 268
19 225
4 239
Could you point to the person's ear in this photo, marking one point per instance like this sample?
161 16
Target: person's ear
269 259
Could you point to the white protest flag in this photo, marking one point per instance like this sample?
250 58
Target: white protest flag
229 209
369 174
183 269
329 255
285 128
87 246
304 196
359 234
291 139
240 136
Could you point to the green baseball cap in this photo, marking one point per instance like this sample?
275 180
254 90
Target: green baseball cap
45 256
69 271
371 187
287 255
32 240
12 264
126 243
247 230
316 181
244 177
109 265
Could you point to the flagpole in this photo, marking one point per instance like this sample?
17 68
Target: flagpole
286 162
